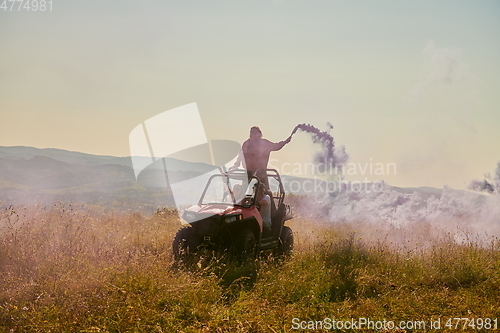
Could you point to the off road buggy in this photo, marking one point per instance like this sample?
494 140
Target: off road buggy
227 219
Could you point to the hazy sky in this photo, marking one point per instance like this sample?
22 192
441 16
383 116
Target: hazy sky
412 83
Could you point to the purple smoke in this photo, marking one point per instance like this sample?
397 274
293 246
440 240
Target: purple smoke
328 155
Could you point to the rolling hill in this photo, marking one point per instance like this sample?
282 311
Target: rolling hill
41 176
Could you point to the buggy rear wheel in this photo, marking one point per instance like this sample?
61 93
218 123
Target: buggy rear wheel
285 247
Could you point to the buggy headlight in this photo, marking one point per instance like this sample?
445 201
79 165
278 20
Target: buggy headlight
232 218
189 216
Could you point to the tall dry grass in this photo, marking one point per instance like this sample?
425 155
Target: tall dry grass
68 268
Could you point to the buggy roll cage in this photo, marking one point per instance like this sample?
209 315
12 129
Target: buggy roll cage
242 174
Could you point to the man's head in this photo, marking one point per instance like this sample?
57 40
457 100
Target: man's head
255 133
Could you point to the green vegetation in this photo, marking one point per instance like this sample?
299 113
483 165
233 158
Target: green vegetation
81 269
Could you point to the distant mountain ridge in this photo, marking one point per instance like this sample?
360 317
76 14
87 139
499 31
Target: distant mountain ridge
22 152
40 176
47 173
32 175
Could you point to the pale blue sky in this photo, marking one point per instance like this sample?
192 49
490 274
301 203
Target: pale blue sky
84 75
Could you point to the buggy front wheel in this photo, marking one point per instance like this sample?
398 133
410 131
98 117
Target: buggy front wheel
245 245
184 246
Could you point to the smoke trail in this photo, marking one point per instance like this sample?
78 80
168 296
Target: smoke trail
398 208
390 208
328 156
430 212
460 214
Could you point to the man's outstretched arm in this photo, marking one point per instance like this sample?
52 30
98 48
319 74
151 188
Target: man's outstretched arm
278 145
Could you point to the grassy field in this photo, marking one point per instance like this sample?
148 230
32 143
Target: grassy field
79 269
